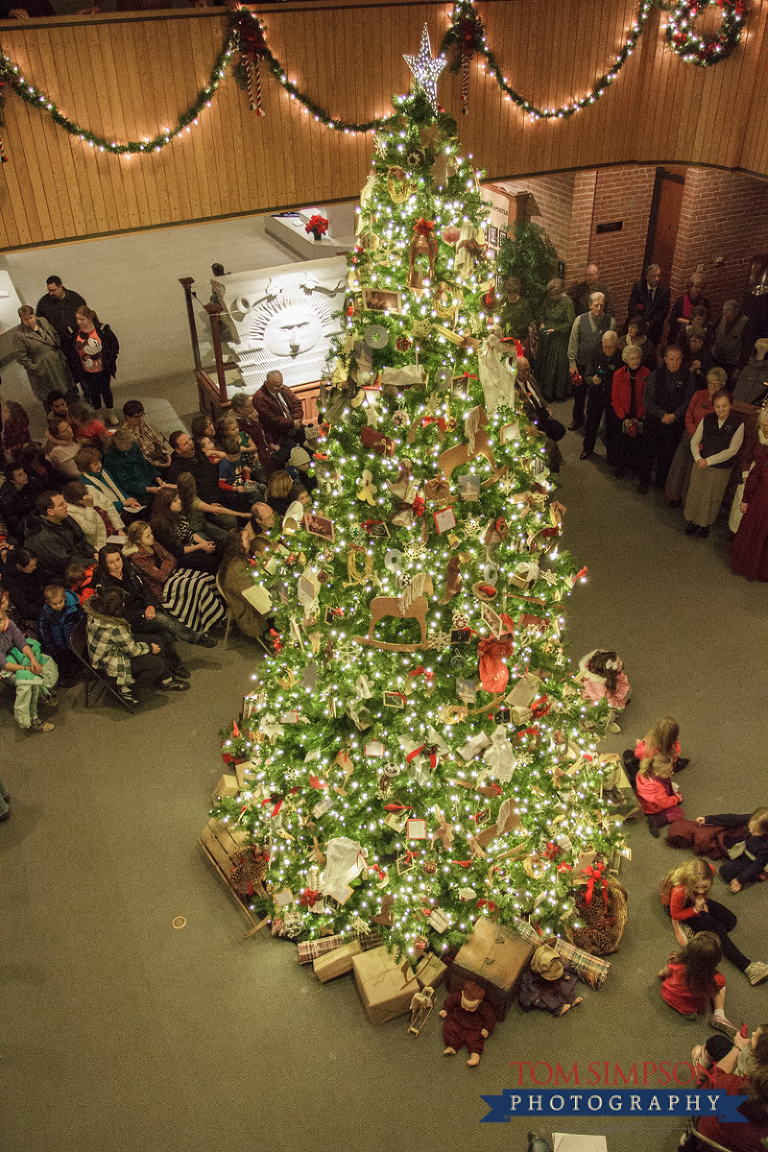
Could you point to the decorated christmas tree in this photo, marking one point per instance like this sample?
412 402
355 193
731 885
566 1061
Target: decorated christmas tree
413 755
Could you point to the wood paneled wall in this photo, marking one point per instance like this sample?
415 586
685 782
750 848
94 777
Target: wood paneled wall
131 75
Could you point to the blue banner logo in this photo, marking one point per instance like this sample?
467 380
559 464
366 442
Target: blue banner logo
644 1102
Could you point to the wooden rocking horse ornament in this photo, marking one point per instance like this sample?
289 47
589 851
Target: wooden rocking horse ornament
477 444
411 605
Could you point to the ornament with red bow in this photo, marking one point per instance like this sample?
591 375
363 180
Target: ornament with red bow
595 874
494 674
467 36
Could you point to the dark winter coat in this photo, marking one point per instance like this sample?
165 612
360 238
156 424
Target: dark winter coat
56 544
56 627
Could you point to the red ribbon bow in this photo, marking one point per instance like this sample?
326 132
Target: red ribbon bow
366 525
540 709
594 874
439 420
276 640
527 732
316 782
378 870
424 227
552 850
431 751
421 671
308 897
277 806
397 808
489 904
494 674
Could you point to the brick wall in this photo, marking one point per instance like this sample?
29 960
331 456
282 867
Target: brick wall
621 194
723 214
554 196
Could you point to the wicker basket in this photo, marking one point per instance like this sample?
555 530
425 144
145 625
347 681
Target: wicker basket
604 921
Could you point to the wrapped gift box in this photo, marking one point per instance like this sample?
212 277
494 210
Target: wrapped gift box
336 963
309 950
385 991
430 971
225 789
496 958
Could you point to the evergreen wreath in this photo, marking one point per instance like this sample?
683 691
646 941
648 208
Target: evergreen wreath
696 49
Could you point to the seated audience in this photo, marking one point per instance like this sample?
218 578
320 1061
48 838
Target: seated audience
685 898
80 578
80 506
679 475
237 576
107 495
195 510
131 471
41 474
17 500
279 492
143 610
15 425
60 613
154 447
190 597
739 1066
173 531
189 457
62 454
25 584
88 430
234 475
33 675
715 442
113 649
271 454
624 421
53 537
280 411
300 461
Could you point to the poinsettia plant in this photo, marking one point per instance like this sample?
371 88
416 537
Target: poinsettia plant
317 225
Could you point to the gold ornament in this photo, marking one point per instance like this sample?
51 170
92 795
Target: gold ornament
398 185
534 866
446 300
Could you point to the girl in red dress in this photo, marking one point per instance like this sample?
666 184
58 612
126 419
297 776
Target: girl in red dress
691 981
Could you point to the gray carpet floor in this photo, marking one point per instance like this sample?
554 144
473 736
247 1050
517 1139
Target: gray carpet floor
120 1034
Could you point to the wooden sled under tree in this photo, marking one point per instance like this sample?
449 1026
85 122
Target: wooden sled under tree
225 853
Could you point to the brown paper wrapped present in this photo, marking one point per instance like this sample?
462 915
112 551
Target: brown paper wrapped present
430 971
495 957
226 788
385 991
336 963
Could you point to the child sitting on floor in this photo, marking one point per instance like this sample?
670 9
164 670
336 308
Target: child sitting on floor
749 857
691 981
659 796
603 678
663 737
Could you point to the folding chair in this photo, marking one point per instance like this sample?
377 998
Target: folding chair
79 645
704 1141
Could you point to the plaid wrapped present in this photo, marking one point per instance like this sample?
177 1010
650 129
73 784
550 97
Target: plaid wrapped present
309 950
593 970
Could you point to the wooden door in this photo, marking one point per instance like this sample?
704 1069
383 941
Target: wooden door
664 221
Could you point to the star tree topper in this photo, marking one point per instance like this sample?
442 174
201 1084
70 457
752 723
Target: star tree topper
426 68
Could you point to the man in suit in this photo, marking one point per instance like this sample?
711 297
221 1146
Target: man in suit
650 299
581 292
279 411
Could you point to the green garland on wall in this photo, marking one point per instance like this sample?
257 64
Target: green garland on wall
245 39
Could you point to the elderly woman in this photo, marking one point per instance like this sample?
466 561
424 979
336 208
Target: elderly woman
129 468
551 368
624 422
681 311
749 547
637 333
679 475
515 312
715 442
696 355
190 597
38 349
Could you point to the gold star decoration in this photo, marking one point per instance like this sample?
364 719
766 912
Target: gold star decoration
426 69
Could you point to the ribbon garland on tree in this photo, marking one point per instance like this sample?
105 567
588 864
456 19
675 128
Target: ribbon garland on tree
466 35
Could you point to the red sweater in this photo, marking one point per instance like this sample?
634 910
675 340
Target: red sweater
680 904
656 795
738 1137
676 993
621 394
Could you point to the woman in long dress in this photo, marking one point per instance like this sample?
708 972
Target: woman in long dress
749 547
679 475
189 596
551 368
236 576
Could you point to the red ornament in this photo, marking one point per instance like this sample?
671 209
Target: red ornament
403 343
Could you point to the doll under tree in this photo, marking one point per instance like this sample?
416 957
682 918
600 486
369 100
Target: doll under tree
414 753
